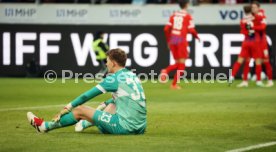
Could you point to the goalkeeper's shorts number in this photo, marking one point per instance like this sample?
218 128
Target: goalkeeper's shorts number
106 117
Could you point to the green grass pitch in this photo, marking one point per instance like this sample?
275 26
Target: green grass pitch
200 117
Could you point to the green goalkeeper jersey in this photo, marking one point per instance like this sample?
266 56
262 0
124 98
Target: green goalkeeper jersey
129 98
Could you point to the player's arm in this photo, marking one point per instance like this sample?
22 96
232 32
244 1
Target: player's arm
92 93
194 33
262 26
243 28
108 85
167 29
191 28
103 46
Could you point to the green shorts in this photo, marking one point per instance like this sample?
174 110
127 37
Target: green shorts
108 123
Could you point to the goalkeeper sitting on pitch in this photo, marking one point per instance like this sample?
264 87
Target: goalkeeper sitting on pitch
124 113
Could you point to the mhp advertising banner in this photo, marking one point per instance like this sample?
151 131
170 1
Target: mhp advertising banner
122 14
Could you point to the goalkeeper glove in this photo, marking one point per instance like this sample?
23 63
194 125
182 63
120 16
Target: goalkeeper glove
64 111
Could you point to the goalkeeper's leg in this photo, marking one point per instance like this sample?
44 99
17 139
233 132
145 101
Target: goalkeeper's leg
83 124
71 118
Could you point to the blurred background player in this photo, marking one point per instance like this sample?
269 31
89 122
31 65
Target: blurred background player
249 49
125 113
260 28
176 30
100 48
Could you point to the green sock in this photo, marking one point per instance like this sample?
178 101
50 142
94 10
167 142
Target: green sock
65 120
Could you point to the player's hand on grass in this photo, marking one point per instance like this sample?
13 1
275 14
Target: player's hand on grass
56 118
64 111
61 113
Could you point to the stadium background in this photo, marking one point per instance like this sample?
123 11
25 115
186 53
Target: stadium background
59 37
202 116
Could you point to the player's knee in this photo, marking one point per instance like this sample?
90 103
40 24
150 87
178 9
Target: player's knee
258 61
111 108
240 60
78 111
112 105
180 60
79 108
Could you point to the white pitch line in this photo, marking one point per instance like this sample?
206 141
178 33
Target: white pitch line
30 108
36 107
253 147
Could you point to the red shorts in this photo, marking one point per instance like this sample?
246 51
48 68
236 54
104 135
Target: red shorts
250 49
180 50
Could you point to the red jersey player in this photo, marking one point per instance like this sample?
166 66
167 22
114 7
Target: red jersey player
176 30
260 28
249 49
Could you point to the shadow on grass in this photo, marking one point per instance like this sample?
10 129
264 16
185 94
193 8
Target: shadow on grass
271 126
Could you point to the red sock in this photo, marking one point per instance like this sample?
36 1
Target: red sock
258 72
246 71
180 67
268 70
236 68
171 67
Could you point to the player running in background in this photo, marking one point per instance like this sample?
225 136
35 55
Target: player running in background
100 49
176 30
260 28
249 49
125 112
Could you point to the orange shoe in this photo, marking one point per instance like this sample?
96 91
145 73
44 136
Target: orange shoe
163 76
175 87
